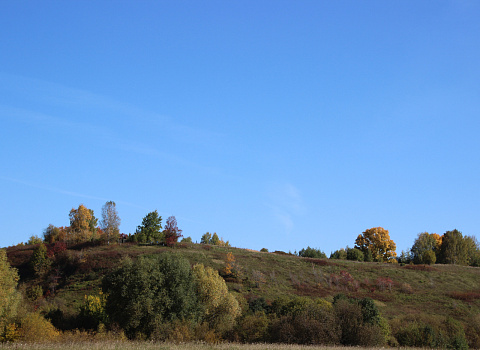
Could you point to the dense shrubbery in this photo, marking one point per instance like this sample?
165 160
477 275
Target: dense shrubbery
312 253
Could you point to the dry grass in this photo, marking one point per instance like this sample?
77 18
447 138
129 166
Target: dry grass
133 345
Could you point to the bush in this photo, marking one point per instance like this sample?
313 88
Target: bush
355 254
150 291
35 328
312 253
253 328
340 254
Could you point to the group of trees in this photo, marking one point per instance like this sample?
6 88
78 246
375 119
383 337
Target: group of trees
450 248
375 244
150 294
150 231
208 238
84 226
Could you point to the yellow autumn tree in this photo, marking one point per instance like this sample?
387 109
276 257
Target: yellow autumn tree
82 224
376 241
9 296
220 307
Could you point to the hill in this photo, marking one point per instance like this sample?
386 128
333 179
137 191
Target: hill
400 292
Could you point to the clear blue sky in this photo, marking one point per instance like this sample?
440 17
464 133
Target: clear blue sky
276 124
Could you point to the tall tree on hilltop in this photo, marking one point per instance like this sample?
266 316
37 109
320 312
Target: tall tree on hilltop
377 242
110 223
150 229
171 232
83 224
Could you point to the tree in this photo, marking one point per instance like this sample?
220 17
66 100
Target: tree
9 296
144 294
150 229
425 248
34 239
206 238
312 253
376 241
458 249
83 224
171 232
220 307
51 234
40 261
110 223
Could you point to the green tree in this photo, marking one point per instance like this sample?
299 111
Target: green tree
454 248
40 261
355 254
110 223
34 239
340 254
150 231
9 296
425 248
215 239
144 294
206 238
220 307
377 241
312 253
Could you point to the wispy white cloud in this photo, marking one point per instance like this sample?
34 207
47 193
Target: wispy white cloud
286 204
119 127
62 191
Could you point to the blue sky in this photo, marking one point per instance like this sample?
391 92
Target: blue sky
276 124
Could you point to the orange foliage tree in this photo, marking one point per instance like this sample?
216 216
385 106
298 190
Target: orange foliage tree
377 241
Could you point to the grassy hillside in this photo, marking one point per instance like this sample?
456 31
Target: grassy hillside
445 290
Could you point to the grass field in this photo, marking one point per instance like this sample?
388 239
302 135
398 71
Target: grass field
164 346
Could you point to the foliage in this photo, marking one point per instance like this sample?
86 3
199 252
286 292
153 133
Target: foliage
264 250
82 224
110 223
35 328
54 234
377 241
34 239
9 296
40 261
186 240
340 254
208 238
171 232
220 307
456 249
355 254
150 291
150 229
423 247
253 328
92 312
312 253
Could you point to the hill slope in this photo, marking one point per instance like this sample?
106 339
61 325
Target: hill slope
446 290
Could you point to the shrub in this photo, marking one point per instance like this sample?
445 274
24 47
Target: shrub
35 328
150 291
264 250
253 328
340 254
9 296
355 254
220 308
312 253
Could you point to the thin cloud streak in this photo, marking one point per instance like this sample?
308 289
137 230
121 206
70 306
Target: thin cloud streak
65 192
